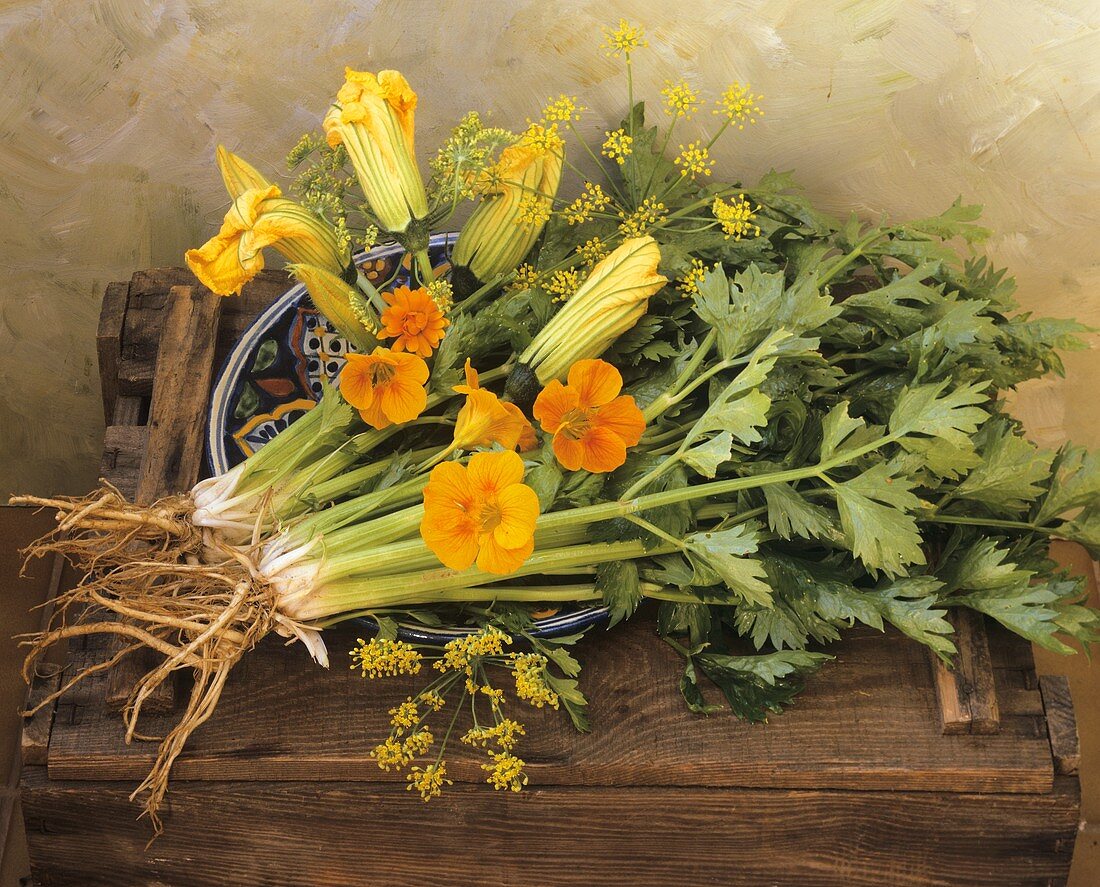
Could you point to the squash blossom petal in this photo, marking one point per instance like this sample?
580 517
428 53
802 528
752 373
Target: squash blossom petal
517 194
609 302
239 175
373 118
480 512
258 218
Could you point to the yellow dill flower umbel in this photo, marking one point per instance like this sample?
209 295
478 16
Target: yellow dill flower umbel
505 772
562 284
529 669
404 716
592 199
637 224
384 658
442 293
459 653
563 109
525 278
432 700
694 160
592 250
680 99
689 283
429 781
736 218
617 146
623 40
739 105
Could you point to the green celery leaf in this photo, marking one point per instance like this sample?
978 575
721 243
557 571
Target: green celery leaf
951 417
910 605
706 457
1011 470
618 582
755 686
790 515
1075 483
724 552
873 515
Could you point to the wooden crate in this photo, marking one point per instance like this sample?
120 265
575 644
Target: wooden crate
888 770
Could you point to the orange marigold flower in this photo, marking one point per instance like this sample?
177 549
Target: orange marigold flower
415 319
387 387
485 419
480 512
591 422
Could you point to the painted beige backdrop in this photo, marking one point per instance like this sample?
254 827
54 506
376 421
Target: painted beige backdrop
110 111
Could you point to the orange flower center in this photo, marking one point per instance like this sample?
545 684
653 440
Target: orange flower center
576 422
382 373
414 322
489 517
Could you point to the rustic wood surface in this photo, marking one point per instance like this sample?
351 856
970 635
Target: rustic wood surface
855 784
1061 723
337 834
866 721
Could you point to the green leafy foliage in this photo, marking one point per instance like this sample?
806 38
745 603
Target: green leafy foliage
621 588
756 686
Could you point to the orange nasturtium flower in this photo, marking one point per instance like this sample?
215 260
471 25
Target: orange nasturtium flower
485 419
480 512
387 387
415 319
591 422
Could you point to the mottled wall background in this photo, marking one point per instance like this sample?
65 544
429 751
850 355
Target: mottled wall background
110 111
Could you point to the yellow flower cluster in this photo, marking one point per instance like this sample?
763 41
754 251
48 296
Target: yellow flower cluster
562 284
680 99
736 218
739 105
378 658
404 717
506 771
533 210
592 199
637 223
442 293
591 251
623 39
459 653
526 278
432 700
528 670
617 146
689 284
563 109
393 754
429 781
544 138
505 734
694 160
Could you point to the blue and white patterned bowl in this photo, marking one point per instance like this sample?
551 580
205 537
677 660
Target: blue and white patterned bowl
273 376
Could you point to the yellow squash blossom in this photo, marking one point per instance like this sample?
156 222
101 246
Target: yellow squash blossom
372 118
609 302
517 195
482 512
262 217
342 304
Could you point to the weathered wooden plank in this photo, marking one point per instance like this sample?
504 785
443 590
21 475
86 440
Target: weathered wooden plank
333 834
34 744
866 721
965 692
123 451
1061 723
112 316
177 415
